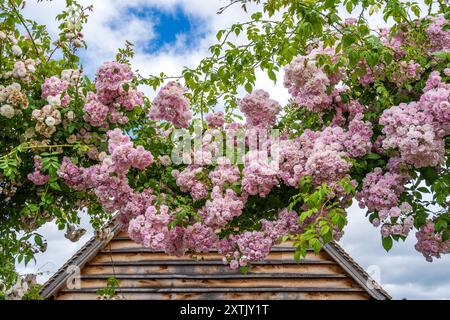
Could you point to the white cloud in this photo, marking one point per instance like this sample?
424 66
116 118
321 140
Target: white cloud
58 252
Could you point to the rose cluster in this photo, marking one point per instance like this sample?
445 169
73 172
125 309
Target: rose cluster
240 250
309 84
54 90
114 92
215 120
417 129
260 111
171 105
430 243
24 70
109 178
37 177
12 100
438 35
47 118
222 207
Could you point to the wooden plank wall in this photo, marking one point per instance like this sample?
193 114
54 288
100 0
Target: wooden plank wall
154 275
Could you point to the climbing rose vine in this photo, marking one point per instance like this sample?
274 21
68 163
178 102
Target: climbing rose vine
368 120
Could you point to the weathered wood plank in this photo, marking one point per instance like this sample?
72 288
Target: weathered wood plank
227 296
144 255
193 262
276 283
220 289
122 234
208 269
218 276
224 293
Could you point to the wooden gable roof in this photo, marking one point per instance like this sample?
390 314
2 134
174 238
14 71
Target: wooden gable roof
144 274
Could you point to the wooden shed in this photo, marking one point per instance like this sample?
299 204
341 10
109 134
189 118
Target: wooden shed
144 274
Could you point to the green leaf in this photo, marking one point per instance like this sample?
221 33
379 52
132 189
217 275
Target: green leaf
348 39
297 255
372 58
316 245
55 186
272 75
349 6
33 207
248 87
441 225
373 156
219 34
423 189
257 16
245 269
387 57
430 175
38 240
387 243
416 10
325 230
353 57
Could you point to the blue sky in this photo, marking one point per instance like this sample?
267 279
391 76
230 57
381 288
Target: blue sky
169 26
170 34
